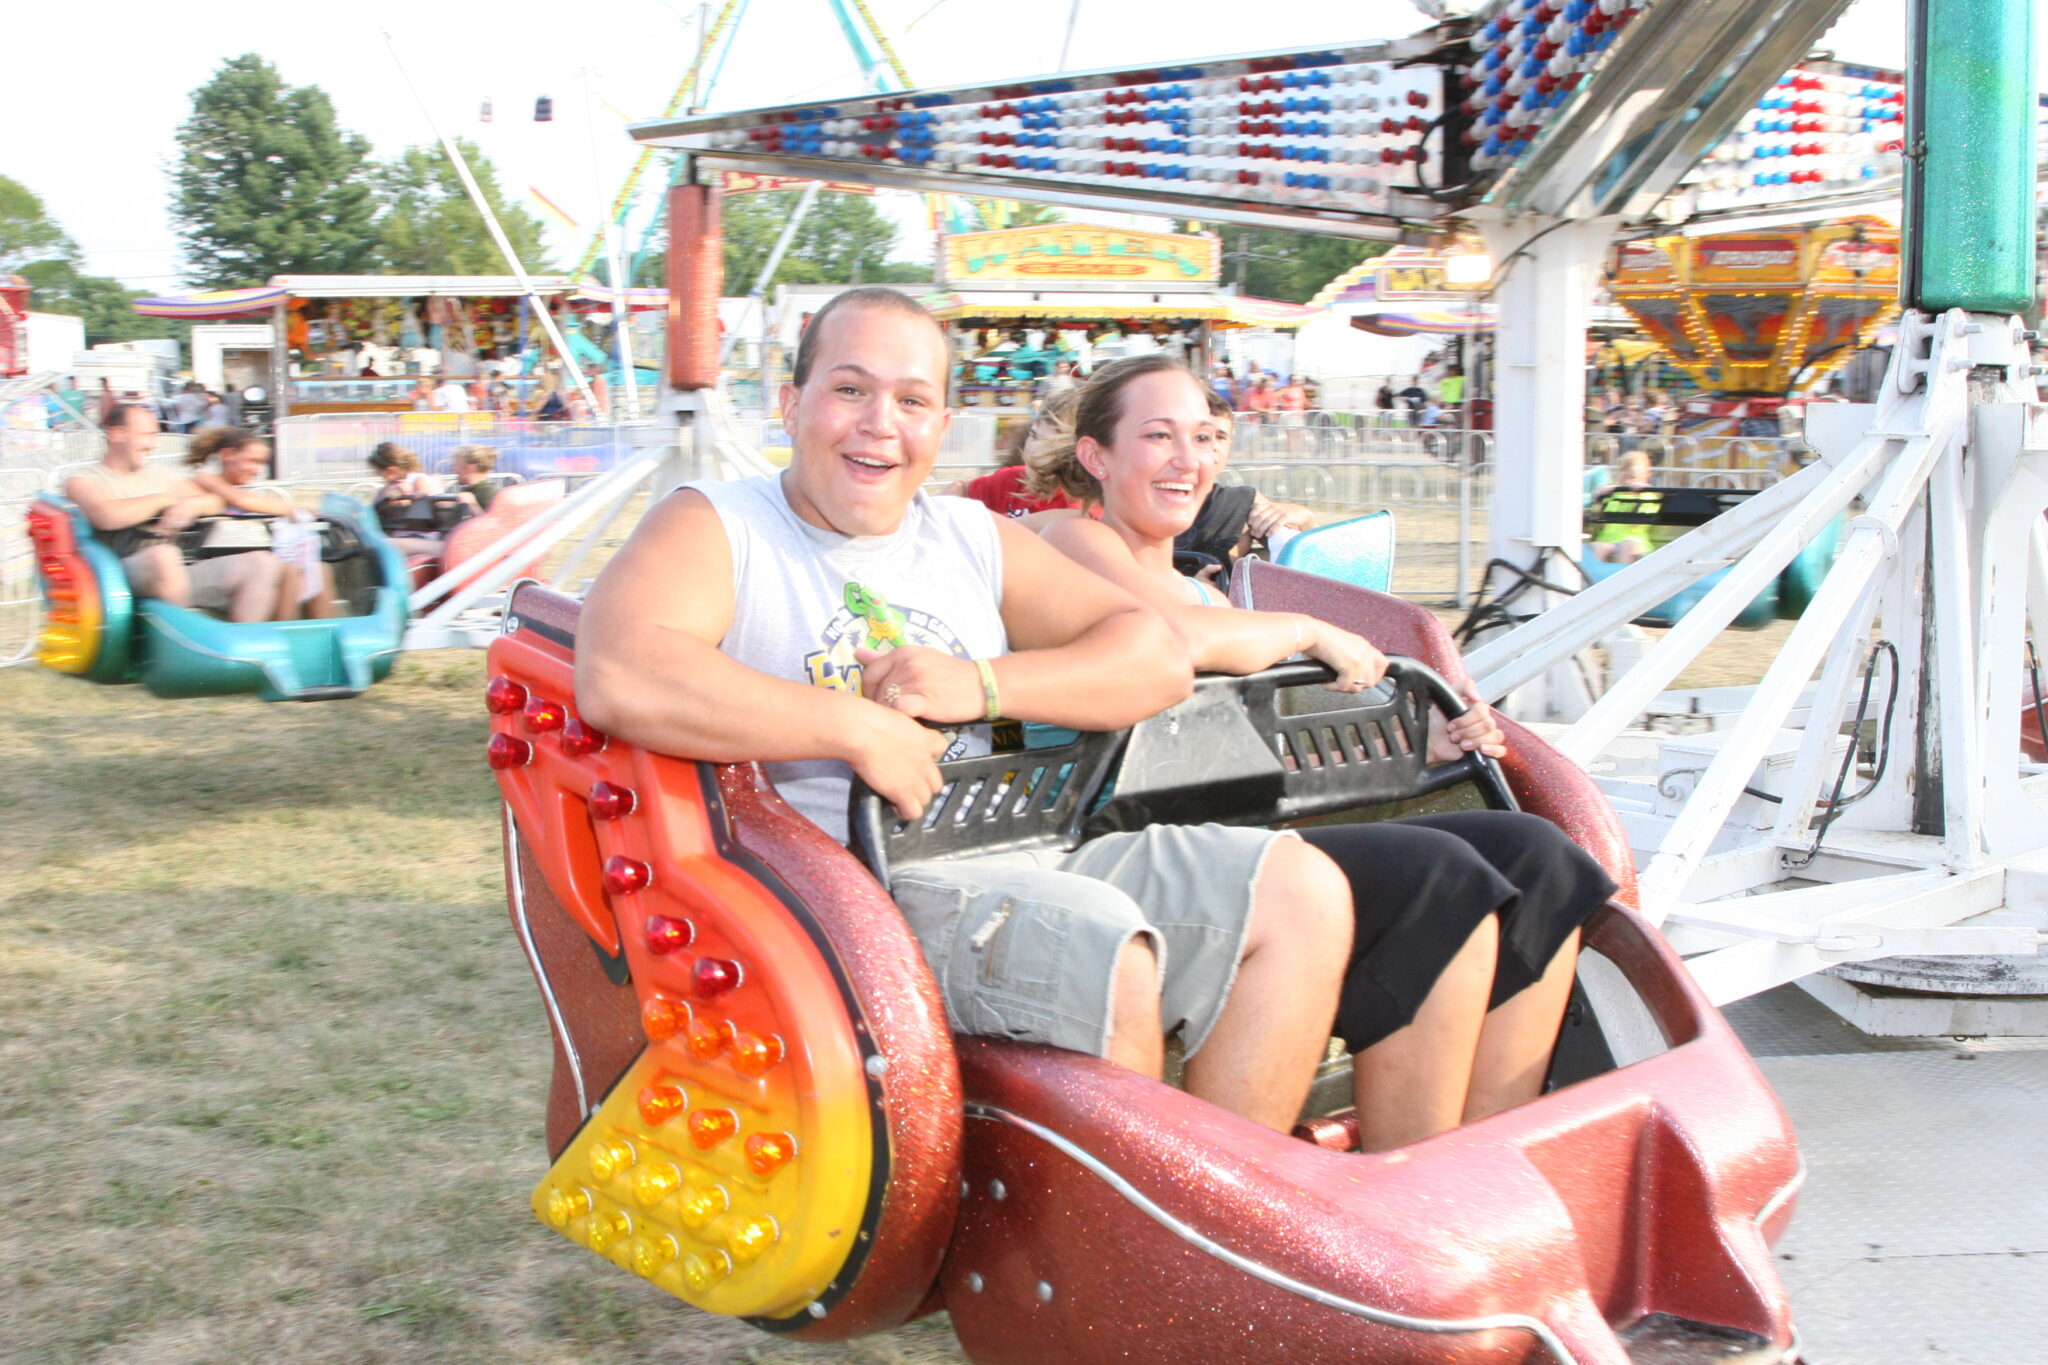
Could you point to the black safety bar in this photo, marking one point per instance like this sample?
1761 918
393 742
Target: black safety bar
1227 754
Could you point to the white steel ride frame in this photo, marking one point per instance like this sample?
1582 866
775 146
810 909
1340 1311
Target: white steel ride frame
1952 470
467 617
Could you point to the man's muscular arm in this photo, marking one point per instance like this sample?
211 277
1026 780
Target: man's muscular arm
649 670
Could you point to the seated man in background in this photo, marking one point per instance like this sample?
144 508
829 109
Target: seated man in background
137 510
834 620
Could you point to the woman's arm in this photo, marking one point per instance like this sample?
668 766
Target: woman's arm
243 499
1220 639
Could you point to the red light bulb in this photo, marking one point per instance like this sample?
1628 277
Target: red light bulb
624 876
543 715
714 976
508 751
665 935
579 739
608 800
504 696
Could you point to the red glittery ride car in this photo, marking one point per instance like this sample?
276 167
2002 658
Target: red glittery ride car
757 1104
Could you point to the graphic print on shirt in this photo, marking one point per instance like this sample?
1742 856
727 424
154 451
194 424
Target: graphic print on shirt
868 620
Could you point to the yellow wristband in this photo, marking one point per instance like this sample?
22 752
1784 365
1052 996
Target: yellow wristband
988 689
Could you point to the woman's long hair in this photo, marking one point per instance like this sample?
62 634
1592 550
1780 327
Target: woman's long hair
1098 407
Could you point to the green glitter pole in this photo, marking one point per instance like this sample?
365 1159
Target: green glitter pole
1970 110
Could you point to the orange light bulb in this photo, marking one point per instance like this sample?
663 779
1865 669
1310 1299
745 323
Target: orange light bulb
750 1237
768 1153
703 1270
567 1204
607 1228
751 1055
701 1205
650 1254
709 1127
706 1039
660 1103
655 1181
607 1159
663 1019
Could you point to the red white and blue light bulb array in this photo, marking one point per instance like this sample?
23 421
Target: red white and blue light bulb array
1823 128
1311 128
1528 57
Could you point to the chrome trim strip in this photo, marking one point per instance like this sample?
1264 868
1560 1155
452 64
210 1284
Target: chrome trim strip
1785 1193
516 883
1536 1327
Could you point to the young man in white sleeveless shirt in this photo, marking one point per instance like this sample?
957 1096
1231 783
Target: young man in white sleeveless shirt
812 620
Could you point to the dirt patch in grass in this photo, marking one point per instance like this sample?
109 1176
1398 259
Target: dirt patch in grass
271 1064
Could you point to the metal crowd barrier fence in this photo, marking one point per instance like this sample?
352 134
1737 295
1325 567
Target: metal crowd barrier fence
333 445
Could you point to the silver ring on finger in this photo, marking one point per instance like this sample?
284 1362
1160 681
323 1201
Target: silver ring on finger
890 693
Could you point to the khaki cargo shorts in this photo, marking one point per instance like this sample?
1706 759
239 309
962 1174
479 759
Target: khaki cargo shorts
1024 946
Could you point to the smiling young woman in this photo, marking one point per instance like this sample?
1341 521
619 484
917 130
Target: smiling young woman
1466 924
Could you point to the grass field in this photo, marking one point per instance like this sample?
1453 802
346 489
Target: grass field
271 1064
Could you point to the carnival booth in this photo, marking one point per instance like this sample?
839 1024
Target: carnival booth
1020 300
362 344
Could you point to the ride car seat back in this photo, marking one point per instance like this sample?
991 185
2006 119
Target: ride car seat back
770 1129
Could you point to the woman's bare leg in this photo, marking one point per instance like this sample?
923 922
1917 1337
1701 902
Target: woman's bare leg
1516 1043
1260 1058
287 608
1414 1082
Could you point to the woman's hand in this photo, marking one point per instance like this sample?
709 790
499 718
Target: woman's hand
1476 730
927 684
1352 657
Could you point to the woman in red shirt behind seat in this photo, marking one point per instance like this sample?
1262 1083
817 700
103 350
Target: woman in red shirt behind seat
1006 492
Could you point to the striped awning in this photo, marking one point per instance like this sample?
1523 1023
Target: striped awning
212 303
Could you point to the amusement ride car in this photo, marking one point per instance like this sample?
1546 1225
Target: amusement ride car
95 627
758 1107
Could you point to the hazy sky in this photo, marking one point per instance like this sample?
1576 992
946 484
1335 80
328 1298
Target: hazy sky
93 97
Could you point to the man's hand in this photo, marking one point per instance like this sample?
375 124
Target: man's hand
898 758
1476 729
1268 517
927 684
181 514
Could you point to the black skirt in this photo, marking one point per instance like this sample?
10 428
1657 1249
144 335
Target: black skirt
1419 888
